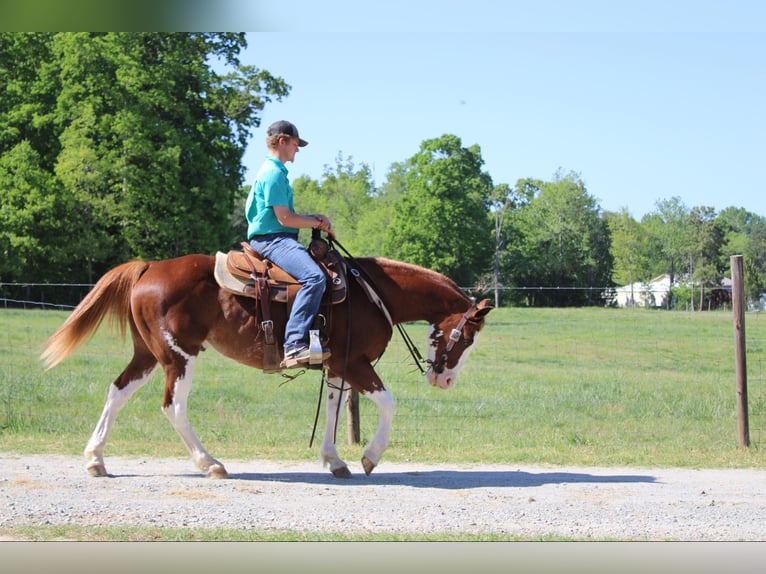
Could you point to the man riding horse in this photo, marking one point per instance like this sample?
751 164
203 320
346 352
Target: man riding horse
272 229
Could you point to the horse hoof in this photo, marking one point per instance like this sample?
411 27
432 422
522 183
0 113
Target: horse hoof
217 471
96 469
342 472
368 465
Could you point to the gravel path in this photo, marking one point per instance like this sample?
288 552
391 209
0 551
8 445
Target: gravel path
581 503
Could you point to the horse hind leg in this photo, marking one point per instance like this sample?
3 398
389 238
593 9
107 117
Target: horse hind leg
178 379
135 376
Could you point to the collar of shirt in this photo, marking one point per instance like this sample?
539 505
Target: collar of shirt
278 163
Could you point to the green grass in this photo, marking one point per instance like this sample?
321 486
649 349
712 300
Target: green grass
148 534
544 386
601 387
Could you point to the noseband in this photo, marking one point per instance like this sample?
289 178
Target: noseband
455 335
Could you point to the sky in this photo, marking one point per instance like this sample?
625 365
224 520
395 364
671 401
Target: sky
644 101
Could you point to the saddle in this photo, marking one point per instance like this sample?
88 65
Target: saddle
249 274
240 272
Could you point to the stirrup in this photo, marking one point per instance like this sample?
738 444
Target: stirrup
317 353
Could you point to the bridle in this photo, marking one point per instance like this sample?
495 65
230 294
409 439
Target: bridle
455 335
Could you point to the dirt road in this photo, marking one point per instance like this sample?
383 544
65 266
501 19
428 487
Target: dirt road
578 503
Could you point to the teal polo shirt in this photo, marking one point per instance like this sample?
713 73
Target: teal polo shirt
271 187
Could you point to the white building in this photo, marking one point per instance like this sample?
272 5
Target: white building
651 294
654 294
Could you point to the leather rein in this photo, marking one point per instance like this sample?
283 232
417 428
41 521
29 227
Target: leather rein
368 285
455 335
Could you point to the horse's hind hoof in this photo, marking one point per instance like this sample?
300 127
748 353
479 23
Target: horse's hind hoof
342 472
96 469
217 471
368 465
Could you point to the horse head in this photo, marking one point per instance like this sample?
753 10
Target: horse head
450 342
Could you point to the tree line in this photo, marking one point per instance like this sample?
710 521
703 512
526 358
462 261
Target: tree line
122 145
536 243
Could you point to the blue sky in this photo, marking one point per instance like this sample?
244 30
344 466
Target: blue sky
644 100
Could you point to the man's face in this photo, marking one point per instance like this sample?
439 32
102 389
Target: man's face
288 148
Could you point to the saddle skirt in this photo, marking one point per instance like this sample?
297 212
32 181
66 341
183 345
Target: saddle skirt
237 272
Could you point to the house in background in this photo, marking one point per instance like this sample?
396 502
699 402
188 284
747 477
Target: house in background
652 295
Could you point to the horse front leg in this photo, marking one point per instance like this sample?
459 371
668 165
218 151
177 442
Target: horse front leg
368 383
329 453
135 375
178 380
379 443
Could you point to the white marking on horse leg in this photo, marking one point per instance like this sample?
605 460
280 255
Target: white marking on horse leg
175 348
385 403
328 452
176 413
115 400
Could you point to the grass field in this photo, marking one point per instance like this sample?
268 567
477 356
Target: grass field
544 386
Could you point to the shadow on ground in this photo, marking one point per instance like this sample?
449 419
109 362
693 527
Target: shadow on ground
448 479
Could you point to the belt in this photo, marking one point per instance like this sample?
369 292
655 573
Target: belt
270 236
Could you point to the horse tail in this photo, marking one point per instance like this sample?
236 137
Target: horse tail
110 296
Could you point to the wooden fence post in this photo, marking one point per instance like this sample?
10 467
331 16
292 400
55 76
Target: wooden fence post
740 359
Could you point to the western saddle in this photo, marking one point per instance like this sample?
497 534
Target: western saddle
249 274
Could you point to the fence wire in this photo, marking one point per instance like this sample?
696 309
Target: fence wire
579 382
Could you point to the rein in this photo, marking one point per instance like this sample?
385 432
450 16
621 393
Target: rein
356 271
368 284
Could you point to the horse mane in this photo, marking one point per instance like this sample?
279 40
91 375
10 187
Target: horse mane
447 289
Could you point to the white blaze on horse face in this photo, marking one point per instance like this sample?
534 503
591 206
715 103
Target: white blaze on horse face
448 377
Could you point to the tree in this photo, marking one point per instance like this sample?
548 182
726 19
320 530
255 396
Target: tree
144 139
668 229
33 208
440 221
564 245
706 238
29 84
346 194
745 234
168 132
504 201
629 249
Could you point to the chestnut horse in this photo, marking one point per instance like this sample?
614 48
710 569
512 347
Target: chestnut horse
175 309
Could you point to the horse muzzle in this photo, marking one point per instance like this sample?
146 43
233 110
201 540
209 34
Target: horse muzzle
444 379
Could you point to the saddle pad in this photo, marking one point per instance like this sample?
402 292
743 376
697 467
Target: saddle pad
225 278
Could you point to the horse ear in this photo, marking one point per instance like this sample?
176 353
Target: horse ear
482 308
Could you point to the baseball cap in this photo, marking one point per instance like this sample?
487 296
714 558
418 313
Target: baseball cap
283 127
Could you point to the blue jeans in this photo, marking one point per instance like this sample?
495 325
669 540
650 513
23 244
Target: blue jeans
285 250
